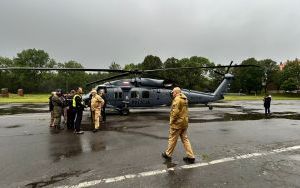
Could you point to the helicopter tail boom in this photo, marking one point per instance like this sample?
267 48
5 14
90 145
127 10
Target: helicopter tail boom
219 92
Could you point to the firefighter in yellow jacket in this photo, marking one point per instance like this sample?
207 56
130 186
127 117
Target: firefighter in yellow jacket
96 104
178 126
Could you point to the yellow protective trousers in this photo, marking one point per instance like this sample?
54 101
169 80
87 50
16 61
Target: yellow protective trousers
96 118
173 137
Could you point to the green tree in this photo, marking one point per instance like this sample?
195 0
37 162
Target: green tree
189 78
249 79
171 76
30 80
291 70
6 80
271 73
289 85
151 62
68 80
115 66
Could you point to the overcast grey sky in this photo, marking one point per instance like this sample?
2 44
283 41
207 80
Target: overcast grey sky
97 32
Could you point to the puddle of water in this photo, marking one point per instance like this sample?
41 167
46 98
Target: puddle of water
13 126
12 109
248 116
224 130
20 110
55 179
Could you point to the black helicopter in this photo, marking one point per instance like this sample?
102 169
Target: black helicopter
145 92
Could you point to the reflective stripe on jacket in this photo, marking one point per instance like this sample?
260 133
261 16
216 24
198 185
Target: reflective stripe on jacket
74 101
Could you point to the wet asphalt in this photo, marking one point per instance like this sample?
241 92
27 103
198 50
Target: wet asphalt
34 155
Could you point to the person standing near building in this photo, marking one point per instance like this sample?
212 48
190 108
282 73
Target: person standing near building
103 113
178 126
57 109
78 107
96 104
267 104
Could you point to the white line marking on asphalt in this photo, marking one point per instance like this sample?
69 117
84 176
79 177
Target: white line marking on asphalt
163 171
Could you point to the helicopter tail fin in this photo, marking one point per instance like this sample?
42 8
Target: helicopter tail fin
219 93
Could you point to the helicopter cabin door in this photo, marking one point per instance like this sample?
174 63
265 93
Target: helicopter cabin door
140 97
117 98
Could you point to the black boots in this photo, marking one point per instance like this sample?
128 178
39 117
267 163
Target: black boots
164 155
189 160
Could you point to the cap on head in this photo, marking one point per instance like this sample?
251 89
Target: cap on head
93 91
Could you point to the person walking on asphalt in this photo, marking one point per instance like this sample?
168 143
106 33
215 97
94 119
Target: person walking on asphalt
96 104
178 126
78 109
267 104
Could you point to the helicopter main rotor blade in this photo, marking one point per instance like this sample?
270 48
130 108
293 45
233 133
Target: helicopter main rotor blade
109 78
120 71
200 67
64 69
219 73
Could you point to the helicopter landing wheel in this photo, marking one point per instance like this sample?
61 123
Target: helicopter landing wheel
125 111
210 107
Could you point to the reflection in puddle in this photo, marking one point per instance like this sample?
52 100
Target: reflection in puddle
247 116
13 126
67 146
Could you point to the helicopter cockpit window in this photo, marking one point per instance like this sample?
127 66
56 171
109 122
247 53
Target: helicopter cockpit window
118 95
134 94
145 94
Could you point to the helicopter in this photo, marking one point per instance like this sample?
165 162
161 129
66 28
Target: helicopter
145 92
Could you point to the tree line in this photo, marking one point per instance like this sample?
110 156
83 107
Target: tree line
260 79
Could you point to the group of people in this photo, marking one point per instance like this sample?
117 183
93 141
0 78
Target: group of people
71 107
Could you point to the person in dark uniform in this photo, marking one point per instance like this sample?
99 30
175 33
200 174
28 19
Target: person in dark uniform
51 109
103 96
78 106
267 104
64 107
70 110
